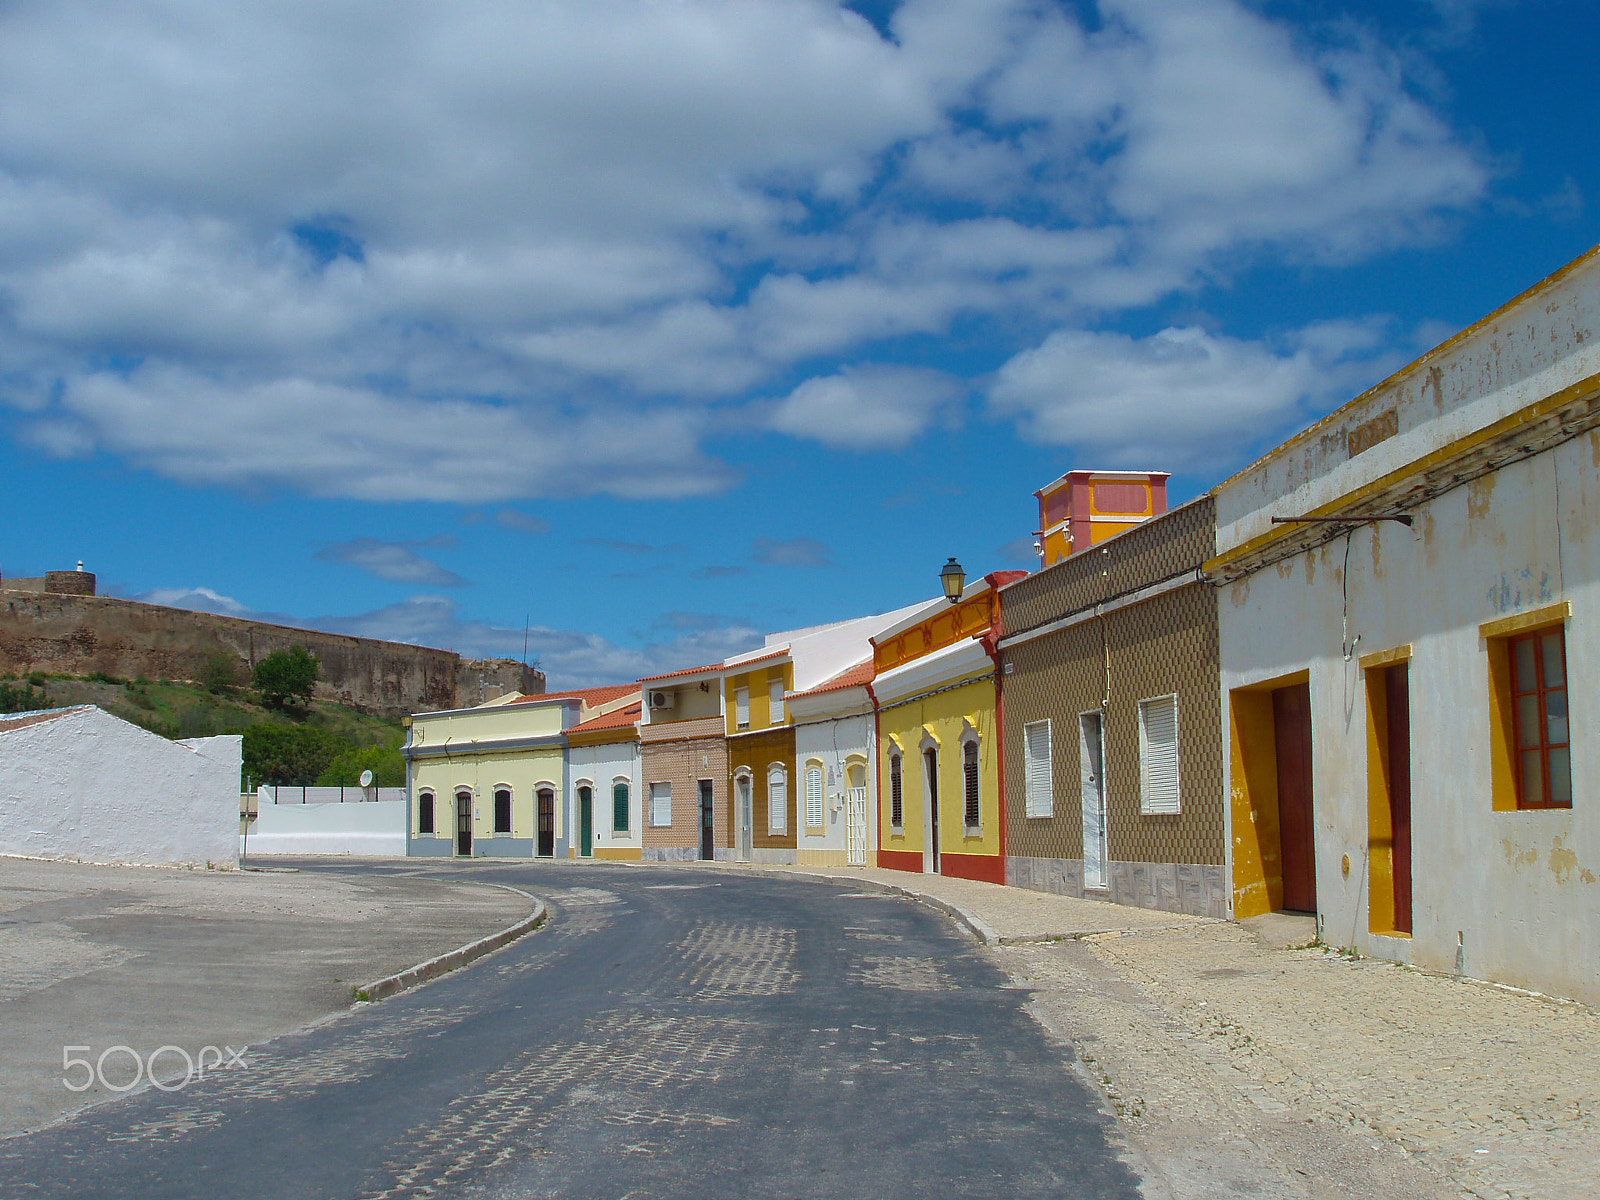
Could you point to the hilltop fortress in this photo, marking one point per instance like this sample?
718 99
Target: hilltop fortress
58 624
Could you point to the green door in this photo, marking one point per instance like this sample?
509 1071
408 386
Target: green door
585 822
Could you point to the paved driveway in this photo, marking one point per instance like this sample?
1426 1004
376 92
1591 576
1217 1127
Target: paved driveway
670 1033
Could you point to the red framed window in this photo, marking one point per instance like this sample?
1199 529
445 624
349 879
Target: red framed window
1539 718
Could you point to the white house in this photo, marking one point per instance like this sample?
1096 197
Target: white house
1410 651
80 784
834 750
603 767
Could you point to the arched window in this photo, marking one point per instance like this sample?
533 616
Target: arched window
897 804
502 810
619 807
969 784
777 799
813 796
425 812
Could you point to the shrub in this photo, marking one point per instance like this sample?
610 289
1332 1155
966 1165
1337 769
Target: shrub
219 673
289 754
286 675
385 762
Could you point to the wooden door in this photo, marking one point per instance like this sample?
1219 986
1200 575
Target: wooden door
1397 688
585 822
1091 779
464 823
547 824
1291 723
708 848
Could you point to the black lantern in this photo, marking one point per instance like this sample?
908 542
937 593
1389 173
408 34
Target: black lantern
954 578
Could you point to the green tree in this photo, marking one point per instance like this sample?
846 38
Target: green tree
219 672
385 762
286 675
289 754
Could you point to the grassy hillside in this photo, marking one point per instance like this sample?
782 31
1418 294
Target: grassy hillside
325 737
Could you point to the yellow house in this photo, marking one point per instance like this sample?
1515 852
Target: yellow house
939 753
760 755
493 780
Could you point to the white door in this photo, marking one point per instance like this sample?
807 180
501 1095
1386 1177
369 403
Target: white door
1091 755
746 819
856 826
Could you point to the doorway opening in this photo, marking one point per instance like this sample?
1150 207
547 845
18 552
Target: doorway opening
930 777
1389 799
744 818
585 822
1273 809
464 823
708 849
1091 777
546 847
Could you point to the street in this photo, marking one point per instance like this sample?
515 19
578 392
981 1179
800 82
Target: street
668 1033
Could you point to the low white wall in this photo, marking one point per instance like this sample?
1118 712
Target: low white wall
373 830
86 786
352 794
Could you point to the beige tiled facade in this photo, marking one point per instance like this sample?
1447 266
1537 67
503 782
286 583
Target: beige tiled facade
1163 645
682 754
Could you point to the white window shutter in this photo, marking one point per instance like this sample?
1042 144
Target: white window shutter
1158 756
741 707
814 796
660 804
1037 785
775 702
777 800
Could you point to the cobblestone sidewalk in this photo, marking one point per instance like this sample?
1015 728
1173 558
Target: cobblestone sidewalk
1242 1067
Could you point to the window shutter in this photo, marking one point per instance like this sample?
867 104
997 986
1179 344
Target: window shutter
775 702
897 810
1158 755
619 808
660 804
1037 785
814 796
969 757
777 801
741 708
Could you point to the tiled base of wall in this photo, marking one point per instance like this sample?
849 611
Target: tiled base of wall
1195 888
779 858
670 854
824 858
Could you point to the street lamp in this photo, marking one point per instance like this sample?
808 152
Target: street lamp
954 578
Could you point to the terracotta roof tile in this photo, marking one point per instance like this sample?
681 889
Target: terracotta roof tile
856 676
620 718
20 720
685 671
590 696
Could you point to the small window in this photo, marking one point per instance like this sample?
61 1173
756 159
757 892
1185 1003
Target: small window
1038 789
619 808
741 708
777 799
660 804
814 796
897 805
969 781
775 702
1158 756
425 813
1543 758
502 810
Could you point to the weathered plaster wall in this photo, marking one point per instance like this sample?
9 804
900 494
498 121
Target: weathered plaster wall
1520 890
80 634
88 786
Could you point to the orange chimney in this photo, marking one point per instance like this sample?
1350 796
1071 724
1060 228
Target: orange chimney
1084 508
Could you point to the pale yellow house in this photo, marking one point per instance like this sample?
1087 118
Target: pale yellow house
493 781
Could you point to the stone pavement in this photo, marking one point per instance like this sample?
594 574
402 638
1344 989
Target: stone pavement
147 957
1242 1066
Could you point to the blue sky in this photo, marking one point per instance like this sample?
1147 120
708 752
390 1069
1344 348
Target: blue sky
655 327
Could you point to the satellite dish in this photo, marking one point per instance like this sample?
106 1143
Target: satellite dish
366 779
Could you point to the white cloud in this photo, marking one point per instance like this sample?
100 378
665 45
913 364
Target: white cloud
870 407
793 552
198 599
1180 396
396 561
577 239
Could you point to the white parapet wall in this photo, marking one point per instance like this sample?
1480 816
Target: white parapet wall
83 785
374 829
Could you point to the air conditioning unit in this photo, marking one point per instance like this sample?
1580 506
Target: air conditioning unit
663 699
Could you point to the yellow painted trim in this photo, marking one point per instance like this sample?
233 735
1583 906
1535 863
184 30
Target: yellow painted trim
1461 445
1380 822
1257 845
1277 681
1412 368
619 853
1502 777
1550 614
1385 658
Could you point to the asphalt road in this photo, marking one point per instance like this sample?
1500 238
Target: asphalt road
671 1033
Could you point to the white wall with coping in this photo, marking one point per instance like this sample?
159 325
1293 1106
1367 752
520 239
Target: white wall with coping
267 795
87 786
1508 896
376 829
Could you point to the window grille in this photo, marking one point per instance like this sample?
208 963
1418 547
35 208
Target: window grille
1539 719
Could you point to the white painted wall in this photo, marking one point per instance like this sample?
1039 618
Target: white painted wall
599 767
90 787
376 829
833 742
294 794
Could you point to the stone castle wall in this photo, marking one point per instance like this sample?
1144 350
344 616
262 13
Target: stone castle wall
76 634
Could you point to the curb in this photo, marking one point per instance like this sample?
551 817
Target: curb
389 985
